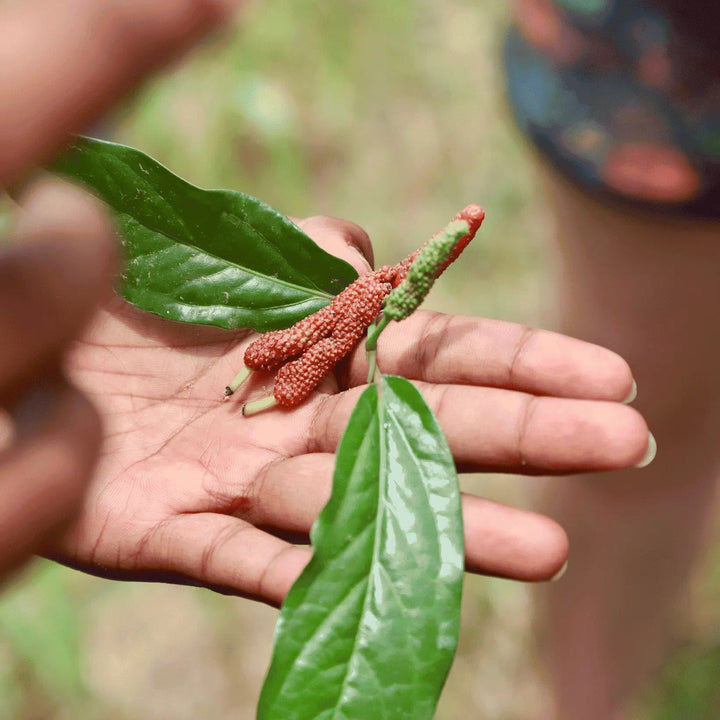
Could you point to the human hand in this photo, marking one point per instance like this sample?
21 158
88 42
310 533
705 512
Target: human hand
63 63
189 490
54 271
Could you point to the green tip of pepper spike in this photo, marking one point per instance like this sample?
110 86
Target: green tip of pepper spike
430 262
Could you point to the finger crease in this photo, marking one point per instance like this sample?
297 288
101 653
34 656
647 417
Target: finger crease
441 401
256 490
210 552
260 589
314 436
431 340
523 425
518 352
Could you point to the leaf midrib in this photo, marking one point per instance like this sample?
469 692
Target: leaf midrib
201 194
193 246
382 484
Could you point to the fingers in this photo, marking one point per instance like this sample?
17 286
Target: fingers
52 276
503 430
66 62
232 554
474 351
224 552
512 543
289 494
44 471
341 238
499 540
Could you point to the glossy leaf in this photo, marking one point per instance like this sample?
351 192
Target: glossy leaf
370 628
214 257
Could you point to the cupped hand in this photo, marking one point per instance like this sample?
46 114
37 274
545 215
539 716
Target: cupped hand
189 490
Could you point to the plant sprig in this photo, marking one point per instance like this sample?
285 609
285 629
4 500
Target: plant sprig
305 353
370 628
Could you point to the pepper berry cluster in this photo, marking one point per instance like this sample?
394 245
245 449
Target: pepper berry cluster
306 352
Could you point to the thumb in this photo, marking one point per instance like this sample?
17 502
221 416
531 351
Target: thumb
341 238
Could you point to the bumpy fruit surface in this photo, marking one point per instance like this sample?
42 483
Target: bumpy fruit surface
306 352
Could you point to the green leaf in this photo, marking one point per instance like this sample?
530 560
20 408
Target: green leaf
214 257
370 628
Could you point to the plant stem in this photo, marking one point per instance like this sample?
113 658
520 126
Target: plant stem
258 405
239 379
374 332
372 366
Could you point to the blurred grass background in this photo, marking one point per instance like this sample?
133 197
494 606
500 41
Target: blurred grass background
391 115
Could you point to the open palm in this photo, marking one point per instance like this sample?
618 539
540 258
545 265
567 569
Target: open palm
190 490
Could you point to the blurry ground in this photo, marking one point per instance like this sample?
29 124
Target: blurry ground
389 114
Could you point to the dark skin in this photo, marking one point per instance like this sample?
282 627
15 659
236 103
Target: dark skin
186 485
186 488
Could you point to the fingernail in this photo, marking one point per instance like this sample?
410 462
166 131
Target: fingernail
560 572
649 453
633 393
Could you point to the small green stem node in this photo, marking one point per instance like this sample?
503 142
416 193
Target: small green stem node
371 342
374 333
372 365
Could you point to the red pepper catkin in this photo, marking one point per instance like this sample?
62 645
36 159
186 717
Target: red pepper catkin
274 348
362 298
306 352
297 379
473 216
